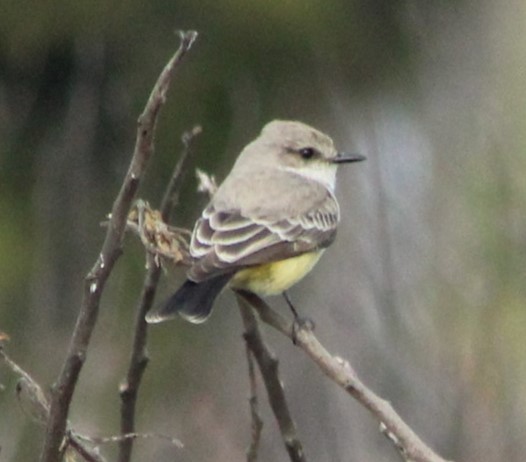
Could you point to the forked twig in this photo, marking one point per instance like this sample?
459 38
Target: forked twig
35 403
268 365
129 387
341 372
94 282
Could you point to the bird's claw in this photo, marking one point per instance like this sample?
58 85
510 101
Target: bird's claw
301 324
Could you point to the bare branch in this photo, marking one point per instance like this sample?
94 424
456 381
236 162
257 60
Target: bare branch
139 355
88 454
35 403
171 196
341 372
28 391
130 436
62 391
393 439
257 423
268 365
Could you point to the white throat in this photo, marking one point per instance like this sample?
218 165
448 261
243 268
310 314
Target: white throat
323 173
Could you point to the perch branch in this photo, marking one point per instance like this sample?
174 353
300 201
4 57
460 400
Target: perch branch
257 423
94 282
129 388
341 372
405 440
268 365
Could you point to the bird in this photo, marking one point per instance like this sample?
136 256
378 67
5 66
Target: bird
268 223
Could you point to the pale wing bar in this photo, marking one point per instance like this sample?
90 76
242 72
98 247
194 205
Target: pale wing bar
225 241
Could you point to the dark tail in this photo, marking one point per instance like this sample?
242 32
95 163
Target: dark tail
193 301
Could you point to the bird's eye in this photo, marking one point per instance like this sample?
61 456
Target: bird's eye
307 153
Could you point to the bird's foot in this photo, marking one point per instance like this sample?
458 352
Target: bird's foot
301 324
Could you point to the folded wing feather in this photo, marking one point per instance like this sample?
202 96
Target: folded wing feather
225 240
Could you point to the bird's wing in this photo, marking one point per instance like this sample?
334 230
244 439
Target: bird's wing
225 241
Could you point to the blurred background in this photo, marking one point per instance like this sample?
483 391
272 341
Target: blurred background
424 289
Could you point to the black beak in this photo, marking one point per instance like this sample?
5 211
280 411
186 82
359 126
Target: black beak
343 157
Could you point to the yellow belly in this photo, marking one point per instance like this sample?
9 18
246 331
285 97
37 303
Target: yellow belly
274 278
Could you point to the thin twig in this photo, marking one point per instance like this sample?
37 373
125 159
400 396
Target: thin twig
171 196
129 436
129 388
341 372
28 390
268 365
88 454
35 403
94 282
257 423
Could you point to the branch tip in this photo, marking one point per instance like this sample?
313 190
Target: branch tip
187 38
